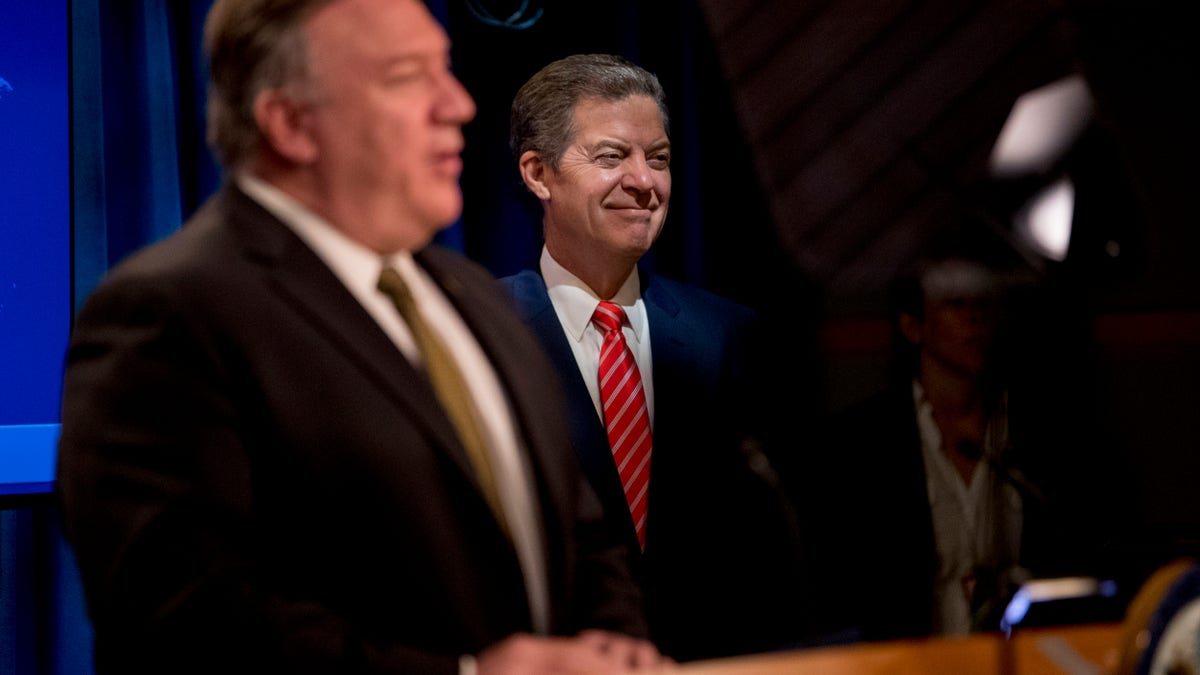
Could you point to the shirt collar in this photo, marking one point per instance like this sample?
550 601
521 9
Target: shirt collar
576 302
354 264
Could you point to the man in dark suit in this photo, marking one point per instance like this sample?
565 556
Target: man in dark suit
710 542
262 467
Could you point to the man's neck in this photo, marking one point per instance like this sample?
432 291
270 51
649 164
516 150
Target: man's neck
950 392
959 410
603 277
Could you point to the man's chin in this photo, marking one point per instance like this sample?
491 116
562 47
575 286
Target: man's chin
446 211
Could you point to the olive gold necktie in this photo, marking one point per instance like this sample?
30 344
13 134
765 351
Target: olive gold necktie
448 383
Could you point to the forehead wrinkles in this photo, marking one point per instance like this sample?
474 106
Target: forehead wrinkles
634 121
348 33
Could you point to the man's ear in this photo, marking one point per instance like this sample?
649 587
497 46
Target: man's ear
284 124
533 172
911 328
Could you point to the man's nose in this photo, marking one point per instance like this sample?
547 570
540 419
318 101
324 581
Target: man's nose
455 103
637 174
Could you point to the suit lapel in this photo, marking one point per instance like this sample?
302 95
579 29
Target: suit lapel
668 340
298 276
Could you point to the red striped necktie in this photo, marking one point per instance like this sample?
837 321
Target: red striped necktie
625 414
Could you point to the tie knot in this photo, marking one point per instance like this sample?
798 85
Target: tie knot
608 317
391 283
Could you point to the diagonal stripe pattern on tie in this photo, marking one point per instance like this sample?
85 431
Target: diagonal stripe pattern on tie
625 414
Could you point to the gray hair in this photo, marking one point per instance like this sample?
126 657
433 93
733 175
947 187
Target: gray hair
543 110
251 46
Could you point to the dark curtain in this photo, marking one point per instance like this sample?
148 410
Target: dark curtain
141 167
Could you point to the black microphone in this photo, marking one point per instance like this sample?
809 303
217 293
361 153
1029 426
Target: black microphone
802 630
760 465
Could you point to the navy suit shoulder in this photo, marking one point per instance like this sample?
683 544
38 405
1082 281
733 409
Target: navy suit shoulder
674 296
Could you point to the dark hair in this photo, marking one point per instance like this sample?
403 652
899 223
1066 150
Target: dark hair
544 108
251 46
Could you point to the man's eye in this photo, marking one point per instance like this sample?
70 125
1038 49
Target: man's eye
402 77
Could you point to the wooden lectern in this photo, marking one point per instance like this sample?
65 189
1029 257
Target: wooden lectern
1090 649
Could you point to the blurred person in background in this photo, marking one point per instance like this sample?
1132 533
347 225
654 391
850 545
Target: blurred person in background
961 479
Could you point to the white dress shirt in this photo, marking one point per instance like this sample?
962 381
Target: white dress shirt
974 524
575 303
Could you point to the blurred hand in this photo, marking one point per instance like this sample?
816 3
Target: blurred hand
593 651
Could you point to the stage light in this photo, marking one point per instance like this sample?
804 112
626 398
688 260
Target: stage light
1041 128
1044 223
1027 162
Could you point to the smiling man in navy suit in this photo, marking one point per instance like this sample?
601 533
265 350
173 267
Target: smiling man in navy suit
710 545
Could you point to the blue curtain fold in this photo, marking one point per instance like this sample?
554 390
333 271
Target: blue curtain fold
139 167
140 162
